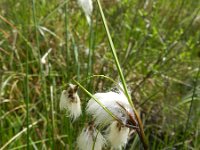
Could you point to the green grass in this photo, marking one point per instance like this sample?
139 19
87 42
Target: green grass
157 48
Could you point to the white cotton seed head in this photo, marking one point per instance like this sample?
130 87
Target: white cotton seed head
43 59
87 7
111 101
70 101
89 137
117 135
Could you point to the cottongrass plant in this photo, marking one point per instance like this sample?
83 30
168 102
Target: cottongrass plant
112 130
87 7
114 101
43 59
90 138
117 132
70 101
118 135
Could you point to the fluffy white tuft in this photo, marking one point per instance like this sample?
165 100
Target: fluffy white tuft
87 7
43 59
118 135
90 136
111 101
72 105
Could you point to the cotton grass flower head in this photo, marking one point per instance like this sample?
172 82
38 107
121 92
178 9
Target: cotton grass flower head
43 59
115 102
118 135
87 7
90 137
70 101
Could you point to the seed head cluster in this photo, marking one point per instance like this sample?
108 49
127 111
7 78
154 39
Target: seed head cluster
104 129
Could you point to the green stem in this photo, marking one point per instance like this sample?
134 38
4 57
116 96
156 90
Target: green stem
66 35
27 100
67 128
90 55
42 76
114 54
142 135
107 110
76 57
191 104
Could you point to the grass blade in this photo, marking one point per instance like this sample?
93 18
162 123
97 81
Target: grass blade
142 135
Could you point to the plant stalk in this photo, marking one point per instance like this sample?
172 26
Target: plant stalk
141 132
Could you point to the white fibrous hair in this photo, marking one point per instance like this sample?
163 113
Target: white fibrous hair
117 135
114 102
90 137
70 101
43 59
87 7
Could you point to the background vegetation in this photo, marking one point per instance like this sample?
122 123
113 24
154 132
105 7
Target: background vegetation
158 45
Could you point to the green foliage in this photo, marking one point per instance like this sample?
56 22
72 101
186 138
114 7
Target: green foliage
158 47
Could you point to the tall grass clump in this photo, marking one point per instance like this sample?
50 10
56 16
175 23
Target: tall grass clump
71 108
77 74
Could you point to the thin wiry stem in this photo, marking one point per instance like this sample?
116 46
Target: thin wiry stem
66 33
27 99
114 54
90 55
52 116
191 103
106 109
43 79
76 57
36 33
68 60
142 135
106 77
